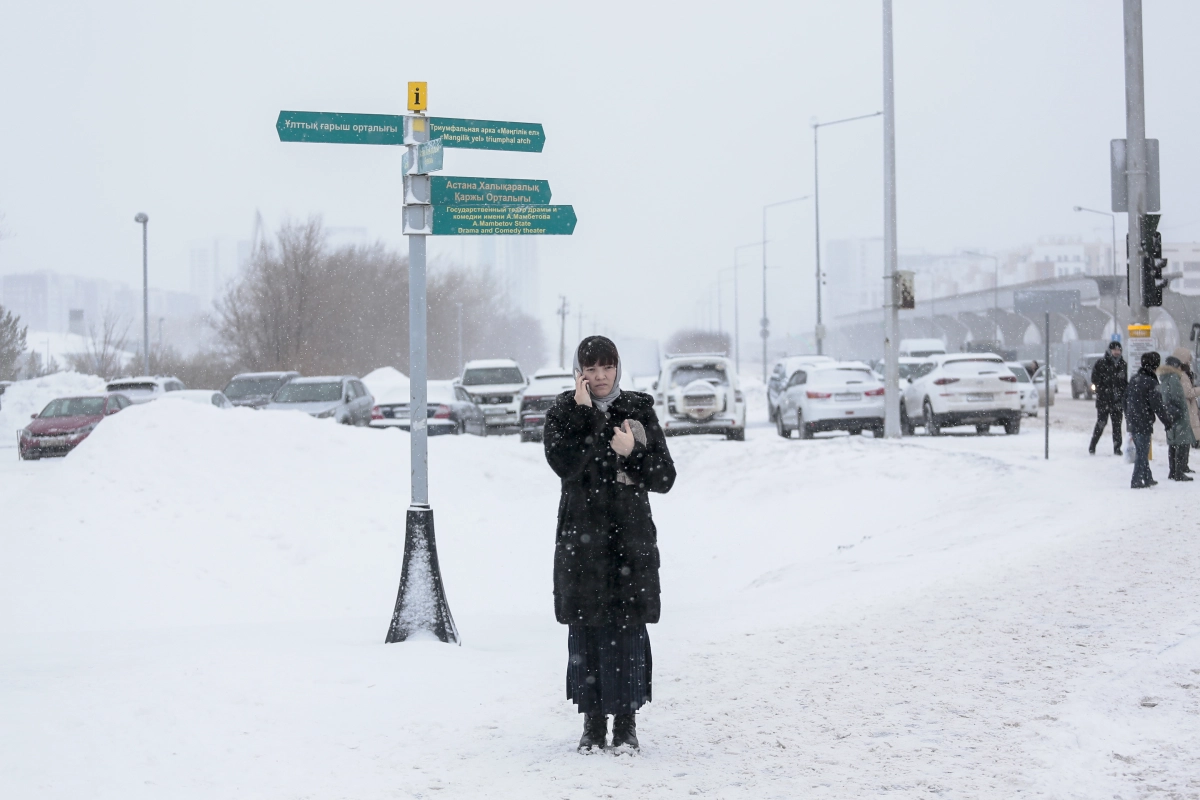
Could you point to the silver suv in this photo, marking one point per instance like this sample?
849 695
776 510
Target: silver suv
700 394
342 398
496 386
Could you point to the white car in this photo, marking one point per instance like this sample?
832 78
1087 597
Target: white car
843 396
145 388
206 397
962 389
1028 389
547 384
1039 380
700 393
495 385
782 371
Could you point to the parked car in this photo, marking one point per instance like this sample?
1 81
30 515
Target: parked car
700 393
962 389
66 422
145 388
254 389
342 398
782 372
1025 385
448 410
911 368
843 396
206 397
1039 380
495 385
1081 377
547 384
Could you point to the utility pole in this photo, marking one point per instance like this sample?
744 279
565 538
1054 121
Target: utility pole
891 393
142 220
1135 156
562 334
459 306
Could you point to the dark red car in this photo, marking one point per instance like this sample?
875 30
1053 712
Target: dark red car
66 422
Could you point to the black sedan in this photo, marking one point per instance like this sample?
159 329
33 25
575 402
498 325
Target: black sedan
448 408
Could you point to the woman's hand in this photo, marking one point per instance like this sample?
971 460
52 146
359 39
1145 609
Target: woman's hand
622 440
582 396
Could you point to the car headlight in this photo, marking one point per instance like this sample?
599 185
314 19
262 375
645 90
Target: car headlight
326 414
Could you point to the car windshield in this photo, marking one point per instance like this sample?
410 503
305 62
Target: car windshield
491 376
239 388
133 389
828 376
1021 373
309 393
910 370
74 407
686 373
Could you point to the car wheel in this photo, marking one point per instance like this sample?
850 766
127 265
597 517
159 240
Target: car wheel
805 432
780 428
1074 393
737 435
526 437
877 431
931 424
1012 426
982 429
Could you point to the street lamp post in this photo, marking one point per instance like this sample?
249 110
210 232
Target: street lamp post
737 330
766 324
142 219
820 331
1113 217
995 291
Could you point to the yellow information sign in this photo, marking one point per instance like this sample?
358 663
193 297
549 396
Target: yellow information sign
1139 331
418 95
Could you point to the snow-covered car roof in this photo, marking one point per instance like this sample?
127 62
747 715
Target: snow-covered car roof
484 363
553 372
324 379
279 374
144 379
946 358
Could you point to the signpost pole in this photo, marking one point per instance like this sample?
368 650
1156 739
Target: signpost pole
1046 368
891 394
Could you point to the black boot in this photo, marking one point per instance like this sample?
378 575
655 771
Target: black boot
595 732
625 731
1172 462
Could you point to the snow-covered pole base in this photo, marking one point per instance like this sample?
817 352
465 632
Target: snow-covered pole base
421 607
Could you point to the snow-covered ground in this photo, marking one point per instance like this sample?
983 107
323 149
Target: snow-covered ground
193 605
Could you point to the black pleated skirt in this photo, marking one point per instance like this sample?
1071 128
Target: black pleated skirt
608 668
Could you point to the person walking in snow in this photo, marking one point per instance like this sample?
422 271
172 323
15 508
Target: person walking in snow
1175 387
609 450
1144 402
1110 377
1192 393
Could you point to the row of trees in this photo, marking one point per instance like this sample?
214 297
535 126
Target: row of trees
301 305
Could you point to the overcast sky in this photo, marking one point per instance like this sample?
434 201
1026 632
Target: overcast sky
669 126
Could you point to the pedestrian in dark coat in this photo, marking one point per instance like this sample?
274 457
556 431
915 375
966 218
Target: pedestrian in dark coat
1171 381
1143 402
610 451
1110 376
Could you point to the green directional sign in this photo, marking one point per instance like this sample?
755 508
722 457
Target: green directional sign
451 191
320 126
482 134
449 220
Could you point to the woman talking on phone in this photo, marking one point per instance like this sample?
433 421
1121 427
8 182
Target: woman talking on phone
609 450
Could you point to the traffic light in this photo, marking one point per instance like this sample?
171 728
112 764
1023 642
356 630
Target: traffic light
1153 264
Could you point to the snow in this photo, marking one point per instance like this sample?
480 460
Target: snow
193 604
61 345
387 385
25 398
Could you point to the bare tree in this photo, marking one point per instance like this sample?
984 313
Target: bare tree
105 351
12 344
299 306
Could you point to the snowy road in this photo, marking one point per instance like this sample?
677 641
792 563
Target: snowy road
193 605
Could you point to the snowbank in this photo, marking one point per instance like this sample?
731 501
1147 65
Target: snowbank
24 398
387 385
61 345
